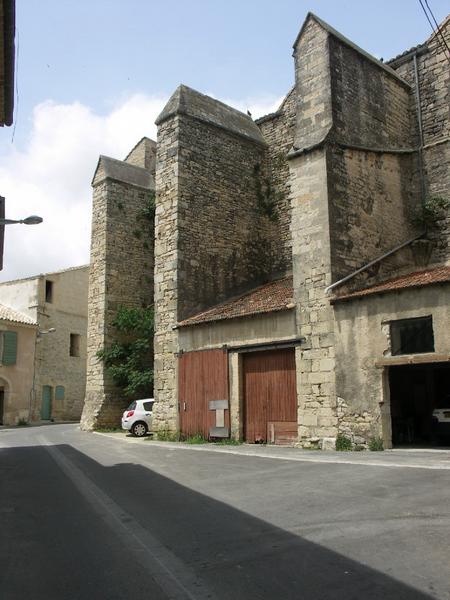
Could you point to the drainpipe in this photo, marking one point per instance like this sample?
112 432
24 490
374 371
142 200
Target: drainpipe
419 121
371 264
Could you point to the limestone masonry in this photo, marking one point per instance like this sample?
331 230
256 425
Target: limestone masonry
326 194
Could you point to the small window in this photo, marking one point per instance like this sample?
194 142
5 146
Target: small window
148 406
75 344
48 291
132 406
412 336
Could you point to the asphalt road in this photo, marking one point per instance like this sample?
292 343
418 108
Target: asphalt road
85 516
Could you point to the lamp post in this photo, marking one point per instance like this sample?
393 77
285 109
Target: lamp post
31 220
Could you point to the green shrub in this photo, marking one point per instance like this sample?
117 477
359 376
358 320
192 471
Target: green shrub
167 436
197 438
343 443
376 444
433 209
22 423
227 442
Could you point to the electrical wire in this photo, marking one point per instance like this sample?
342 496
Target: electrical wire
439 37
437 26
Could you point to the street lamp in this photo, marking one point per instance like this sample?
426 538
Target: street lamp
31 220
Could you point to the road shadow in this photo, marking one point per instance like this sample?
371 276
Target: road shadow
237 556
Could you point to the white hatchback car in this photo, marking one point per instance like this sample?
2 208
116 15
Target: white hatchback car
138 417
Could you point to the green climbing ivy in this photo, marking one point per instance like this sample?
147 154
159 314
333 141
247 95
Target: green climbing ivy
432 210
267 197
128 362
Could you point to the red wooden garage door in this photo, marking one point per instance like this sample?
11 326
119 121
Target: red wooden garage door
270 397
202 377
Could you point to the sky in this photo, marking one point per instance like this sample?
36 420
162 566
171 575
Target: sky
93 75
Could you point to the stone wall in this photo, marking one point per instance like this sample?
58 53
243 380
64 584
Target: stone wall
16 380
315 359
374 198
67 314
215 233
370 102
278 130
434 91
122 267
165 413
312 86
226 243
372 166
363 345
143 155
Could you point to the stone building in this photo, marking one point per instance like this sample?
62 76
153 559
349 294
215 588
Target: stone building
299 290
47 379
17 349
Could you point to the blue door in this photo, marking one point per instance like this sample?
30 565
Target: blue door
46 409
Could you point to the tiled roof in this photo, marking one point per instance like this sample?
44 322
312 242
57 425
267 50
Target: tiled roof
411 280
271 297
8 314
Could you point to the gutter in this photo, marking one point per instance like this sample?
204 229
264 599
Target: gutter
419 122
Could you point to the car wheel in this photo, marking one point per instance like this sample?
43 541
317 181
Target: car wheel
139 429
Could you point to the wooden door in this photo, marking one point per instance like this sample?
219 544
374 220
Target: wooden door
46 408
270 396
202 377
2 404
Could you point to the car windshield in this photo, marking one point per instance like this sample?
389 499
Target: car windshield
132 406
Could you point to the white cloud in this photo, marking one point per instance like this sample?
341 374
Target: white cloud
51 176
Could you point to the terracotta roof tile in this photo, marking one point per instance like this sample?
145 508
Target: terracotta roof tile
8 314
411 280
271 297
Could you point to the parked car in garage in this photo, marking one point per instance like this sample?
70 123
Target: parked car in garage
441 423
137 418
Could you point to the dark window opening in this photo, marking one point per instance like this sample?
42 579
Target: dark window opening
148 406
48 291
412 336
75 344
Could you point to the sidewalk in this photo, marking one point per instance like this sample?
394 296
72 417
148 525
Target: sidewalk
438 459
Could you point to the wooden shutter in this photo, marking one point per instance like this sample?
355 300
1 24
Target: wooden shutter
9 348
59 392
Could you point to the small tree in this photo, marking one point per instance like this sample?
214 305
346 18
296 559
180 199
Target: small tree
129 361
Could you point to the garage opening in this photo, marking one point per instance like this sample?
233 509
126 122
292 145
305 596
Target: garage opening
420 404
270 398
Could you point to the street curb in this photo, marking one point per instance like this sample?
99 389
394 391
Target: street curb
305 456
